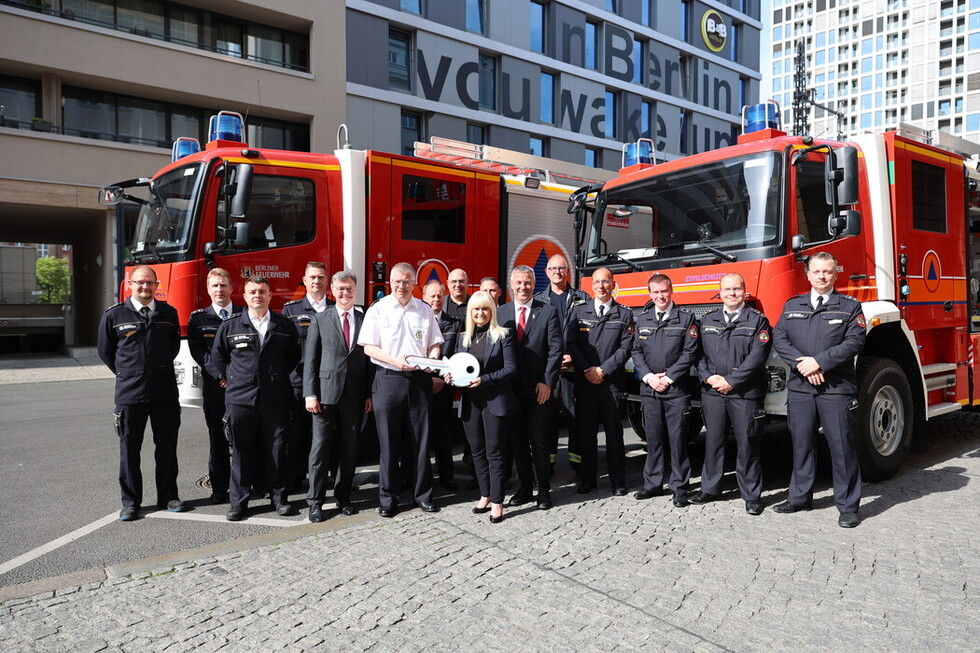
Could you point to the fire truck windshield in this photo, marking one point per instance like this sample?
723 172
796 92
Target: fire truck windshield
725 209
165 224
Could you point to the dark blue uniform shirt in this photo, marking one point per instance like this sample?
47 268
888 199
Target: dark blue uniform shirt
141 355
737 351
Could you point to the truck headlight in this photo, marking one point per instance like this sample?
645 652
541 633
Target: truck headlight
196 376
777 378
179 372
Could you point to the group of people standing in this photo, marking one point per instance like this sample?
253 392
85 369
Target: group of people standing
290 391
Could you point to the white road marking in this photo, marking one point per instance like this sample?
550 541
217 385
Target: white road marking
191 516
58 543
154 514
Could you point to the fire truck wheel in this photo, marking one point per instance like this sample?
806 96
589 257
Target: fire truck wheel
634 413
884 417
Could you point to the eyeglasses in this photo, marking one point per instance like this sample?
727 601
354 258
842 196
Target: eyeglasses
560 268
456 282
402 282
143 283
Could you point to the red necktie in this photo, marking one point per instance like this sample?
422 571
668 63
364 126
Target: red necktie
347 330
521 323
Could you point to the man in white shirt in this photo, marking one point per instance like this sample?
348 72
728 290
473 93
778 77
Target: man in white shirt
400 325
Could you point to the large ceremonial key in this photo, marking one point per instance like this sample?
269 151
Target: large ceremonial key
463 368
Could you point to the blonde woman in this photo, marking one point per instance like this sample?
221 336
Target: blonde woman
489 400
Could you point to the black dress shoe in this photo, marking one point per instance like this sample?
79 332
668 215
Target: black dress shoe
787 507
387 511
428 507
176 505
316 514
620 492
754 508
848 520
519 499
129 513
477 510
680 501
285 510
702 498
649 494
219 497
496 520
544 501
583 487
348 510
235 513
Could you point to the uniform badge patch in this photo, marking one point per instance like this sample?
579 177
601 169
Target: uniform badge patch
763 336
693 332
860 320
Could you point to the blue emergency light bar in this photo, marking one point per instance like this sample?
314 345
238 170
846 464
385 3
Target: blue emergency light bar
184 146
639 152
756 117
227 126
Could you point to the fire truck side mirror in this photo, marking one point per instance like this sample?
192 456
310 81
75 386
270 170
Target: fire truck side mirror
797 243
841 174
111 195
241 186
241 235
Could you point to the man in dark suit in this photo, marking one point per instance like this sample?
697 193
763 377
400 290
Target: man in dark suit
537 335
301 312
443 422
252 358
336 382
138 340
201 329
599 342
667 345
563 297
736 342
818 335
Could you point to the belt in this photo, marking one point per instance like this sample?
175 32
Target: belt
385 370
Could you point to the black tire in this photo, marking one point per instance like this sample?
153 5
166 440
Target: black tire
885 418
634 413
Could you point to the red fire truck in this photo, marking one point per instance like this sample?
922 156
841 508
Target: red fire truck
267 212
900 212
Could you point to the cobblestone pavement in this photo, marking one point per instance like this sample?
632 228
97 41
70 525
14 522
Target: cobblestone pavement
604 574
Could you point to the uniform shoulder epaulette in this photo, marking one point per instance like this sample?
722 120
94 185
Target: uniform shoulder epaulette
685 310
292 301
200 310
756 311
853 299
116 305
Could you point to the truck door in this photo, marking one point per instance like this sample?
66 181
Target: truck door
282 232
930 234
433 223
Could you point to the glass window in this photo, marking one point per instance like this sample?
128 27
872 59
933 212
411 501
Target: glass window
973 122
811 201
537 27
928 197
611 5
282 211
476 134
399 67
433 210
638 59
476 16
142 121
264 44
184 25
536 146
975 21
820 58
187 122
646 12
297 51
646 120
278 135
100 12
21 100
88 113
411 132
591 45
974 41
144 17
610 131
488 82
228 38
413 6
547 98
591 157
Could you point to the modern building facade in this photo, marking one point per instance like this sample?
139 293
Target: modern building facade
95 91
880 63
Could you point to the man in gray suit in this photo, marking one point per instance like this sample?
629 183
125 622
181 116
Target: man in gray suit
336 383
